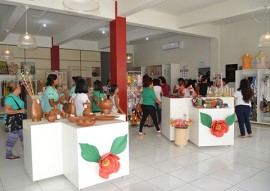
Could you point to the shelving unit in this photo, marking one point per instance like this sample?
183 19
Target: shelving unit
134 89
259 74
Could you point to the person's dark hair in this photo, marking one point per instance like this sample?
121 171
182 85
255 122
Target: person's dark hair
98 86
181 80
163 80
225 80
246 90
204 78
81 86
50 79
211 83
108 81
76 78
148 82
156 82
12 86
144 79
113 88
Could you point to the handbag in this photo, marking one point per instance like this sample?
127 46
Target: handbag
139 107
14 122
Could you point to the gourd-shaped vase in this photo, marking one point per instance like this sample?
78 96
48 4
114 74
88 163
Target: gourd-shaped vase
36 110
105 106
88 108
72 108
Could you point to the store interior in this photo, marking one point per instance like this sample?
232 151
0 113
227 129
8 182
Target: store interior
170 38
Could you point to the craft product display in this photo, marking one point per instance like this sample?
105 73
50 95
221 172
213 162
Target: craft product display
200 102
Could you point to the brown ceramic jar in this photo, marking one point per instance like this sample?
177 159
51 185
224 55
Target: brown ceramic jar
105 106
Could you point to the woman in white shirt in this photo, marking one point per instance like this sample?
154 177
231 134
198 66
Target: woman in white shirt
159 93
243 97
80 96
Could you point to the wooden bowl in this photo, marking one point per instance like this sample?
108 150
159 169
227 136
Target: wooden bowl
105 117
73 119
86 124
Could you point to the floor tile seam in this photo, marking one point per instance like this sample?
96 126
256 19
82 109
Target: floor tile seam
231 183
253 166
157 186
166 171
141 180
203 175
21 186
220 180
262 159
144 181
248 177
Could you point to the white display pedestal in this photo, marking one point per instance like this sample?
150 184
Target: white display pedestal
52 149
173 108
200 135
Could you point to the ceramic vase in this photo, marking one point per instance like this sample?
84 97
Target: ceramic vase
105 106
36 110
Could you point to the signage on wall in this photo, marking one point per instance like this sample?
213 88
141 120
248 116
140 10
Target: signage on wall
184 71
230 72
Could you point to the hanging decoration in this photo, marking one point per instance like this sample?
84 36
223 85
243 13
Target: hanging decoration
109 162
217 127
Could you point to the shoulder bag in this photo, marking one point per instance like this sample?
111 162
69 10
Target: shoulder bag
14 122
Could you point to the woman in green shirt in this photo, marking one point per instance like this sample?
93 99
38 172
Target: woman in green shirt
148 104
13 105
51 93
98 95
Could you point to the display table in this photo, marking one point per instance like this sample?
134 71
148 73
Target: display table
52 149
173 108
200 134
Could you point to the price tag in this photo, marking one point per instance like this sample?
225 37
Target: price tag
38 101
71 115
58 116
84 106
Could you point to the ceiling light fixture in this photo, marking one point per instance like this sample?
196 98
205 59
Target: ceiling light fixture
103 32
44 25
146 38
26 40
7 54
265 38
129 58
81 6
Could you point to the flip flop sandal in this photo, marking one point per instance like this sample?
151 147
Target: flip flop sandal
13 157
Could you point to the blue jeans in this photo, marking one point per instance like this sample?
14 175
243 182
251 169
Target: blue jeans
242 113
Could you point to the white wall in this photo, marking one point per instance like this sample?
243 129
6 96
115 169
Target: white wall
195 50
239 38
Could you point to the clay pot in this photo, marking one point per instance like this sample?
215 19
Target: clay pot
36 110
72 111
50 116
105 106
88 108
57 112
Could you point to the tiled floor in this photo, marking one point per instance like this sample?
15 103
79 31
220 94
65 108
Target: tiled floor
157 164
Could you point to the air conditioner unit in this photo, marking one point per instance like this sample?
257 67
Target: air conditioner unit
172 45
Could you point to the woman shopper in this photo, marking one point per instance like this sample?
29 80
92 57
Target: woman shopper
98 95
115 99
243 97
158 92
51 94
165 87
13 105
75 79
148 105
80 96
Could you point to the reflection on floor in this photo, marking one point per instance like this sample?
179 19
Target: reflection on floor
157 164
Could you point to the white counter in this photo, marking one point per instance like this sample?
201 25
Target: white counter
173 108
200 134
52 149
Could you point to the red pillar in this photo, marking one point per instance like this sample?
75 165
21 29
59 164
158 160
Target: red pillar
118 57
55 58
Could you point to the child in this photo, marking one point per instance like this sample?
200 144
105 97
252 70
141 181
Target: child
115 99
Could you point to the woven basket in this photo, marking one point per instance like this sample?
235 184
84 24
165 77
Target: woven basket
180 136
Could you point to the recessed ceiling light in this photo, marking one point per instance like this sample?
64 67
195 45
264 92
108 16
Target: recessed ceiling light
146 38
103 32
44 25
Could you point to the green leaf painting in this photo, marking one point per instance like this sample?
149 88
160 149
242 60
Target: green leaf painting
230 119
206 119
119 145
89 153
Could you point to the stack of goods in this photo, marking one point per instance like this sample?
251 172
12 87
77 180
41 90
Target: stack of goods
199 102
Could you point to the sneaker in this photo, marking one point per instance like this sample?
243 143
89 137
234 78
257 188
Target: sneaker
159 131
141 133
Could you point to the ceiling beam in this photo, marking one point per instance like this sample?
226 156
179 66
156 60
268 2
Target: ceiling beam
75 31
126 8
10 21
132 35
161 21
226 9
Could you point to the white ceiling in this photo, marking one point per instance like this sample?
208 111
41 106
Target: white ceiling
57 23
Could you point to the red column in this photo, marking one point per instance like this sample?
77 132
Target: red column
118 58
55 58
